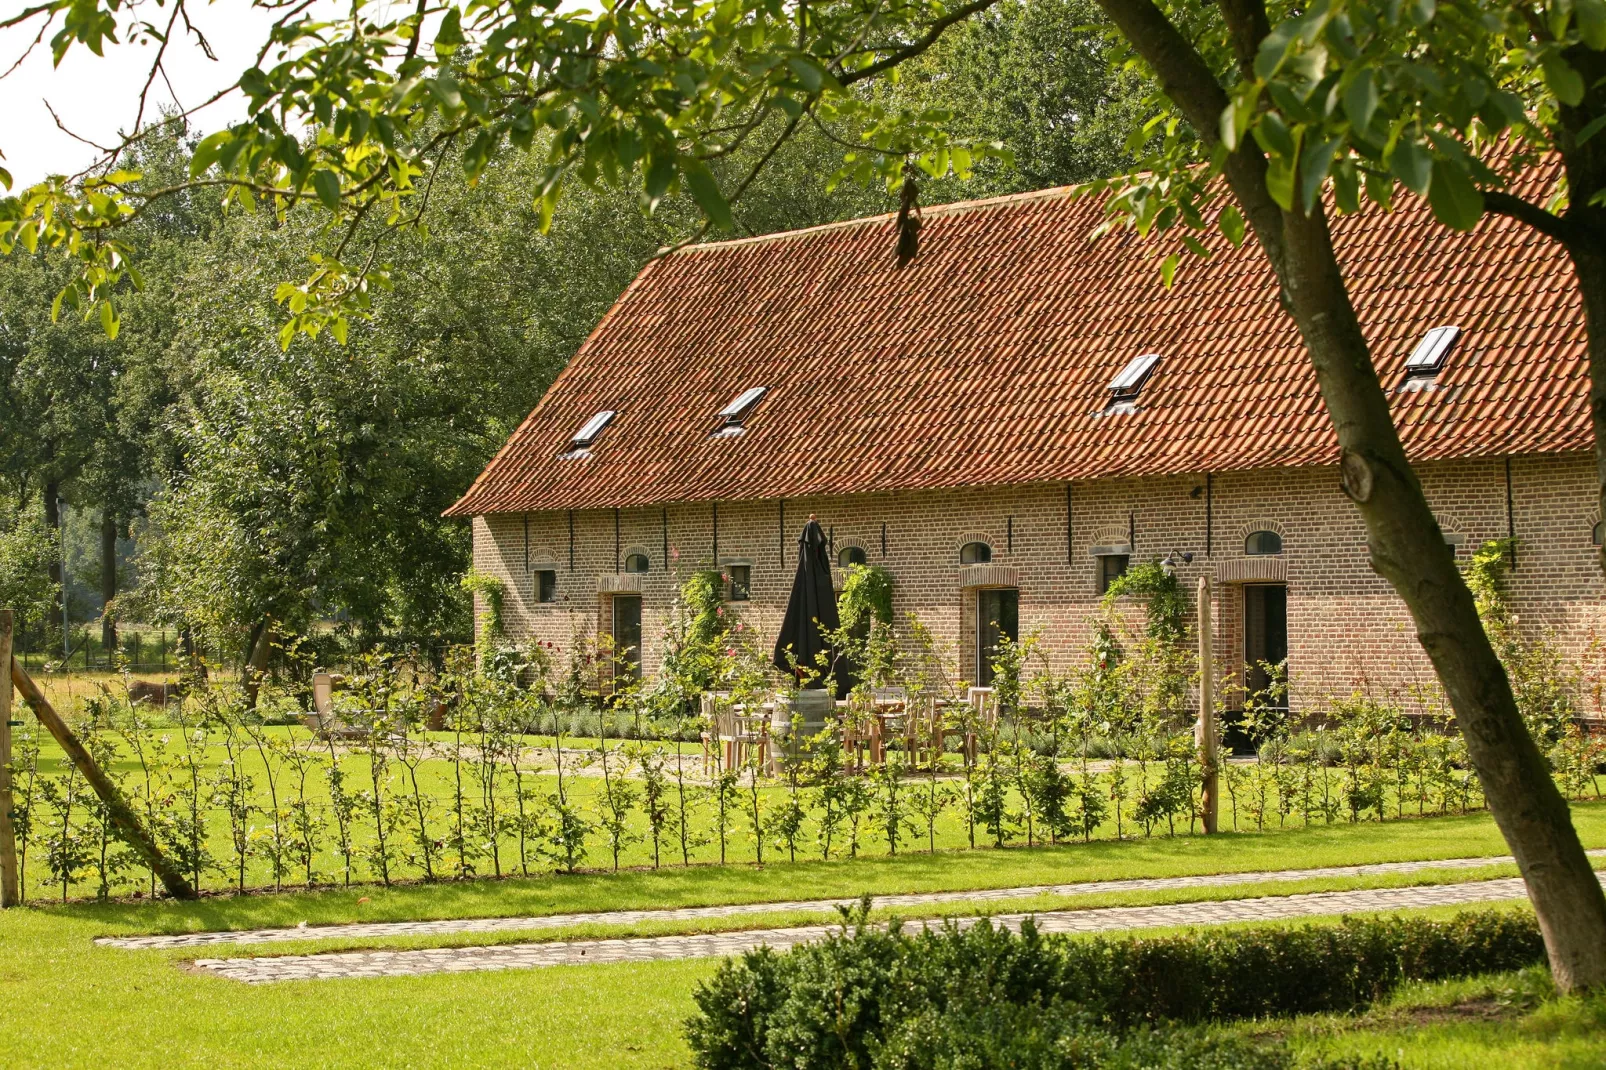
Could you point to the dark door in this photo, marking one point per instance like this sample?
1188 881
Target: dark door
1265 632
997 615
627 636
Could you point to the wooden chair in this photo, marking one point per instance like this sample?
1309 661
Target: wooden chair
739 734
924 731
858 730
984 708
711 701
889 720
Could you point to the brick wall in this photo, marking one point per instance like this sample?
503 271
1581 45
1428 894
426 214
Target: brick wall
1345 624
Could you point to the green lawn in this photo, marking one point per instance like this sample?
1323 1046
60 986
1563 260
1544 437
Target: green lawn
75 1004
1512 1021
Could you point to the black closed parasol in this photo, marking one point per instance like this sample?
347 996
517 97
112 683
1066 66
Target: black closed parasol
810 611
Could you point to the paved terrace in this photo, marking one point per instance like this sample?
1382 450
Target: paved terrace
387 963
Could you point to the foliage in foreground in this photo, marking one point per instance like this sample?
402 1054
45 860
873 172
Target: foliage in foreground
985 996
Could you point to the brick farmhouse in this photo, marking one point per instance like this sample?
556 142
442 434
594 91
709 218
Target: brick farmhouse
1020 413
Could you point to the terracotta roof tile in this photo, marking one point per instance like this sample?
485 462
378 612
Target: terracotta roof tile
986 360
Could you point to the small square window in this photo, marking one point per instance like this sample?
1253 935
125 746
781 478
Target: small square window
1111 568
741 586
546 585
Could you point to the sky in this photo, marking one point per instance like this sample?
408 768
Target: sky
97 96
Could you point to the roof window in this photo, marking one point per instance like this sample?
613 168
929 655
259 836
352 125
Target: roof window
732 415
1126 385
1428 357
593 427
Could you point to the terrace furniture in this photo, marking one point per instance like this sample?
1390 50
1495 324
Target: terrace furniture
323 721
859 732
983 703
924 730
740 735
736 730
889 718
710 702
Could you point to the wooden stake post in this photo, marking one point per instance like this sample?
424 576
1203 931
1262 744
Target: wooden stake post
123 819
10 893
1204 732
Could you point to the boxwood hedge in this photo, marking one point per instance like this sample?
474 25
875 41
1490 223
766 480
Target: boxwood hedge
982 996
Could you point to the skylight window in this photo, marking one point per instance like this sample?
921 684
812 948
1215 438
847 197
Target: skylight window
593 427
732 415
1132 377
1428 357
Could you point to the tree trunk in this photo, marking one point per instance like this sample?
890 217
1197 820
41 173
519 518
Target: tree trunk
1583 231
257 664
108 584
1590 264
1407 547
53 522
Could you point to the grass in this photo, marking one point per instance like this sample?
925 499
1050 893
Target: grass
1472 835
775 919
1512 1020
77 1004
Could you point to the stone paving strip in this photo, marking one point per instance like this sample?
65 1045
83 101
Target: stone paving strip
350 964
368 930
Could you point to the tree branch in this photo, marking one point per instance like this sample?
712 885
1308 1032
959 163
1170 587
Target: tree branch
1187 79
1523 211
911 51
1248 24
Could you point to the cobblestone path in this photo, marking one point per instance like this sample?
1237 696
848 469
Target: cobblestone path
349 964
367 930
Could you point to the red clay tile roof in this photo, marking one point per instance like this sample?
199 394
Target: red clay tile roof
986 361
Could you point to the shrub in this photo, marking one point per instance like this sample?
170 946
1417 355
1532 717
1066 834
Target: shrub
886 999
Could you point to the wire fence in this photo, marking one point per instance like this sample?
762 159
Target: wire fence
138 649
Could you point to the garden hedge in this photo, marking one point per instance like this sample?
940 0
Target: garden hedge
983 996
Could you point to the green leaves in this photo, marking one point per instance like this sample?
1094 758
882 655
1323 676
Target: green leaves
449 37
707 194
1457 203
1361 99
1231 222
1563 79
1314 165
1591 18
1412 164
326 184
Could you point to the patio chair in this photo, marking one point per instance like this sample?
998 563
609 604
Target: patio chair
738 734
709 705
889 719
923 730
323 721
984 705
860 729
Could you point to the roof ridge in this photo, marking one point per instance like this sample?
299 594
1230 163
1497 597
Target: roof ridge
947 208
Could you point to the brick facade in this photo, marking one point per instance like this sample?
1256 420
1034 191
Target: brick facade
1344 624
